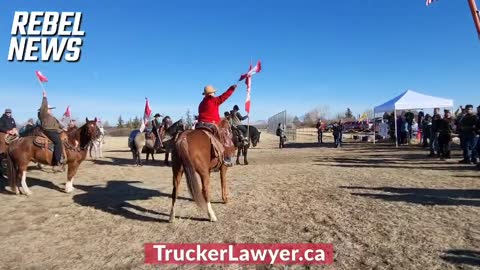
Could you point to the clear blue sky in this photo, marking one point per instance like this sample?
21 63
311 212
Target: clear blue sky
355 54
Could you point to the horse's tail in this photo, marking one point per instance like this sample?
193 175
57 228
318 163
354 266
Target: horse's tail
193 179
11 172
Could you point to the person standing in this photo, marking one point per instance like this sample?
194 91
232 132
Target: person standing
426 130
280 132
320 128
468 131
445 130
409 116
434 134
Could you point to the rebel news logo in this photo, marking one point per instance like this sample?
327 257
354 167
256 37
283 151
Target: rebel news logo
46 36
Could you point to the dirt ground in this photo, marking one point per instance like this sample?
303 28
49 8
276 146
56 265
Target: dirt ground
381 208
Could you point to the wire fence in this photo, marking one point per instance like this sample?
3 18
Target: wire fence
286 122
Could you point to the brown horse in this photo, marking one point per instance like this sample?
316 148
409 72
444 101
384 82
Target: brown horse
194 154
35 148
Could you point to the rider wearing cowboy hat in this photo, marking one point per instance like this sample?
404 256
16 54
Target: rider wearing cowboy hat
52 129
156 128
236 120
208 110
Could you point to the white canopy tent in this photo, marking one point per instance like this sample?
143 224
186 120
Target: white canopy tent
410 100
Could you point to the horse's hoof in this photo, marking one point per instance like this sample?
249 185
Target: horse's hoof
237 163
225 200
213 219
69 188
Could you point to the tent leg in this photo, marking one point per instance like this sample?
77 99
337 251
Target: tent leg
373 125
396 133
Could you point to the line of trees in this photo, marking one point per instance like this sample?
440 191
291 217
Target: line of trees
310 118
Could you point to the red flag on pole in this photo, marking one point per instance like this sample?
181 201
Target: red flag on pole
148 110
41 77
248 81
67 112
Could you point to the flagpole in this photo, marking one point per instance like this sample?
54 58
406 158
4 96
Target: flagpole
41 84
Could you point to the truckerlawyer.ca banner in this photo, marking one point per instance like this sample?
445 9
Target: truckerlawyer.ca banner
197 253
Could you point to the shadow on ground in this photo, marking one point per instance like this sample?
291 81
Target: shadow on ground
115 196
423 196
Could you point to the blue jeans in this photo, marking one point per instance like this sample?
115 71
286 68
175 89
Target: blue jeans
470 147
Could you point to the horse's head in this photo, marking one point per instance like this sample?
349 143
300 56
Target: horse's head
224 123
255 138
176 127
90 128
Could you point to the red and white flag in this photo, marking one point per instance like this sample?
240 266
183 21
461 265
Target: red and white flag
428 2
148 111
248 81
67 112
41 77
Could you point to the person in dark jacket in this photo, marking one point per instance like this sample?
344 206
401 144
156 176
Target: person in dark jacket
156 127
52 129
426 130
236 119
434 138
445 129
468 131
7 123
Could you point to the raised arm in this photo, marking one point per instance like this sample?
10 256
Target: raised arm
44 107
223 97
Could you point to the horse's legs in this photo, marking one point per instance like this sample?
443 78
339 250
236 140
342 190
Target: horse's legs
177 177
239 151
72 170
25 188
153 152
139 158
100 149
166 158
147 154
245 151
205 175
223 179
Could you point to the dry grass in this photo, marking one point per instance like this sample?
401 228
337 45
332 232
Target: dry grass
381 208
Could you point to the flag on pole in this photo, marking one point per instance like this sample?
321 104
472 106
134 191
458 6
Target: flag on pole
248 81
428 2
41 77
148 111
67 112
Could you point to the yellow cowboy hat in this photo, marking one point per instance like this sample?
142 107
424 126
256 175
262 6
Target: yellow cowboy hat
208 90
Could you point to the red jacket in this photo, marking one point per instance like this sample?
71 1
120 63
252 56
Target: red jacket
208 110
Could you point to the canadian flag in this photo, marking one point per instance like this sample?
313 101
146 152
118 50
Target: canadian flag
148 111
67 112
248 81
41 77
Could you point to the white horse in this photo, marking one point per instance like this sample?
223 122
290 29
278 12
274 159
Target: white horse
97 144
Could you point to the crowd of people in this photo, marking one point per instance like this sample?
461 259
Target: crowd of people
438 130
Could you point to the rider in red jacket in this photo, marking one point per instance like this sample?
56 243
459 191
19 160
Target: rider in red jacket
208 110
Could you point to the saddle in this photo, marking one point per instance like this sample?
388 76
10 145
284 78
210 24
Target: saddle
11 138
45 143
